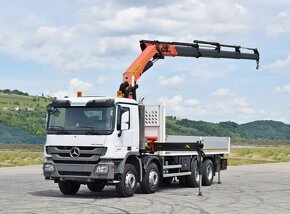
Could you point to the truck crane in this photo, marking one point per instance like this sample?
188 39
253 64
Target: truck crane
154 50
98 141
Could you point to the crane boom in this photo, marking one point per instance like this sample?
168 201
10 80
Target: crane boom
154 50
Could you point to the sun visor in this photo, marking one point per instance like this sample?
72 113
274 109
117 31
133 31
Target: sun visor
100 102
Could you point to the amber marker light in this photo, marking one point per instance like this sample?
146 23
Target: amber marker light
79 94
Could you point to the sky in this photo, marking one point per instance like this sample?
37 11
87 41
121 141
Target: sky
58 47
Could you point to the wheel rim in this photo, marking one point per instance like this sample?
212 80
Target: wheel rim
153 178
209 172
130 181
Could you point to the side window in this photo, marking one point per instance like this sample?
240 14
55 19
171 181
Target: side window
122 110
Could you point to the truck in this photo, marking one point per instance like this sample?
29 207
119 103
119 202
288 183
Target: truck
98 141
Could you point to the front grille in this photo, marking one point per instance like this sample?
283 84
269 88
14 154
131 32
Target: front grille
75 173
85 154
81 155
75 162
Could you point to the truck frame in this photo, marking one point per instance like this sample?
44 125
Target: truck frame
99 141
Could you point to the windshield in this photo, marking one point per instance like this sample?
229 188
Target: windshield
81 120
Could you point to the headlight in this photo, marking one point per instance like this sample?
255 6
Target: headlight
102 169
48 167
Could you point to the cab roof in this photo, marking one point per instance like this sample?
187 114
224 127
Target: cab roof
89 101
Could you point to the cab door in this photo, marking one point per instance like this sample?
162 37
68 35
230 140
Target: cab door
124 128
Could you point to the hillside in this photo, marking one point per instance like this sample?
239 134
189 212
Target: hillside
270 130
22 120
267 129
26 112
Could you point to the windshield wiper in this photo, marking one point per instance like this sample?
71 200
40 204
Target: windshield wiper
58 129
87 127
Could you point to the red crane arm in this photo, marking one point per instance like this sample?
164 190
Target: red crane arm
154 50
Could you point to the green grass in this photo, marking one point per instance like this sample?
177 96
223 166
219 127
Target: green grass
10 101
20 155
242 156
264 143
10 159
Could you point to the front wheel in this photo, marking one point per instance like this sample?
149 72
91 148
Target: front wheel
151 179
69 187
128 182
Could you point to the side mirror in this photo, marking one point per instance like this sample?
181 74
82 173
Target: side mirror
50 108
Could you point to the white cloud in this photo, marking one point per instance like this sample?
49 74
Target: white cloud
231 106
283 14
285 88
106 29
73 86
227 105
192 102
171 82
224 92
179 106
62 94
174 103
279 25
79 85
280 66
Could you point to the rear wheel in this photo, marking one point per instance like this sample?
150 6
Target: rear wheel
207 172
193 179
96 186
128 182
69 187
151 179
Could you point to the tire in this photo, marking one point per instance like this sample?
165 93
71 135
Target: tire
182 181
207 172
193 179
151 179
96 186
69 187
128 182
167 181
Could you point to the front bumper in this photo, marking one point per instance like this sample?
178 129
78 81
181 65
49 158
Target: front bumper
79 172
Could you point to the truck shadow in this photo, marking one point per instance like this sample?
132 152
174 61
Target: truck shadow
108 192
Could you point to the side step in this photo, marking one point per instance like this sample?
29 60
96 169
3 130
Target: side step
172 166
176 174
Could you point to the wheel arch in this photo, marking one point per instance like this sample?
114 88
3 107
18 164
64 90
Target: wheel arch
146 160
134 160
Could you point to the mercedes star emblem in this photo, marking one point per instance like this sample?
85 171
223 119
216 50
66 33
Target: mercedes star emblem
75 152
